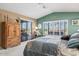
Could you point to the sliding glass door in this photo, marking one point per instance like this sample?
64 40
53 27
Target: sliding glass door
58 27
29 29
62 27
26 29
45 28
51 28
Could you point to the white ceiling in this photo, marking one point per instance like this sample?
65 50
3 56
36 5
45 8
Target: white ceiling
36 10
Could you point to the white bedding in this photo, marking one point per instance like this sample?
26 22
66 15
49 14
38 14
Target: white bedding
51 39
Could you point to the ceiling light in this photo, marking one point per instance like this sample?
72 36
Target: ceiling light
42 4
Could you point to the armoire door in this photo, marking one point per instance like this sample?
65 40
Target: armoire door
10 34
13 33
17 32
10 30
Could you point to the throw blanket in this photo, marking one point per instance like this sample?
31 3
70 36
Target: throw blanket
42 47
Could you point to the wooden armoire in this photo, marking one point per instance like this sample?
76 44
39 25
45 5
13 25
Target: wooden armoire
10 33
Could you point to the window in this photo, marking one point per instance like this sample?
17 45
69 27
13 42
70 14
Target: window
58 27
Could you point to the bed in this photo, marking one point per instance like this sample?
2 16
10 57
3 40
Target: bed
49 46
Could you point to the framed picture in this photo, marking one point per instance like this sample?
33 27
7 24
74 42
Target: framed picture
75 22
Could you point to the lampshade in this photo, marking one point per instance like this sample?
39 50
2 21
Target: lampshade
36 27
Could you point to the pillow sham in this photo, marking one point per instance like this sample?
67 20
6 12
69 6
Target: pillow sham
75 35
73 43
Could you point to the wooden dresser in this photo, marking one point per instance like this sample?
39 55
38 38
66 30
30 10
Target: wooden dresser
10 34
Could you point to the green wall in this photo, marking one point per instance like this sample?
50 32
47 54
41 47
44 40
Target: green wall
61 16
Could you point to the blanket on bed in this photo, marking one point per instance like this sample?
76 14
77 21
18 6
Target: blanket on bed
41 47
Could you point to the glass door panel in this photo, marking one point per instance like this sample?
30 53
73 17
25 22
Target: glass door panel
24 34
65 27
29 29
57 28
51 27
61 27
45 28
26 29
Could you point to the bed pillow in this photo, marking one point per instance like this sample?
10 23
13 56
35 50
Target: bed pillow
73 43
75 35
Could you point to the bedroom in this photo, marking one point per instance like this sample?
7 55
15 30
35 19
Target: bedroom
41 25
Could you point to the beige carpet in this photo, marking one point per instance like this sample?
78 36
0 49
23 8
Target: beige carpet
14 51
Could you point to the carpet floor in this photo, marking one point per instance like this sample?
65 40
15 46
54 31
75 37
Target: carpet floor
14 51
